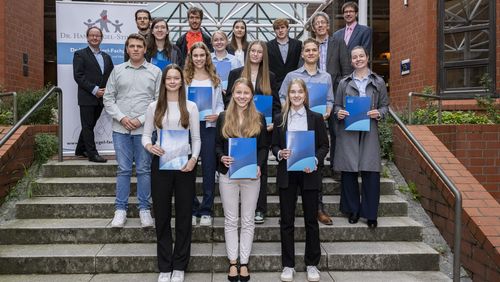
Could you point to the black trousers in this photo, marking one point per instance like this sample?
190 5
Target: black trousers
288 200
331 129
350 201
88 119
262 200
164 183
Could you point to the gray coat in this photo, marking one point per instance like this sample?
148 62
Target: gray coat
358 150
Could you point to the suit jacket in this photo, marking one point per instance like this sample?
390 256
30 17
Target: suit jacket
236 73
88 75
313 180
276 64
361 36
337 64
222 144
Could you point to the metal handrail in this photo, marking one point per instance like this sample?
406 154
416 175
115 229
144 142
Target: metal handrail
14 103
40 102
410 104
450 185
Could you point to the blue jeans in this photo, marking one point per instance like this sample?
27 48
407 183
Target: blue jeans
129 149
208 167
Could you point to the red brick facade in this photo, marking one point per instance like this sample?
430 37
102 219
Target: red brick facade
17 153
480 245
21 31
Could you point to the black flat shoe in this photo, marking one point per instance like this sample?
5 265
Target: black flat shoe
244 278
82 154
372 224
233 278
353 218
97 159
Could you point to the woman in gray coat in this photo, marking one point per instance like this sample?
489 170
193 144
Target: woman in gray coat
359 151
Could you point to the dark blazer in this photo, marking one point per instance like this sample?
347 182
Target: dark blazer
314 122
88 75
338 64
221 143
182 43
236 73
276 64
361 36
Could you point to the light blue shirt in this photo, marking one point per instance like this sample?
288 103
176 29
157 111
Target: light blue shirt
361 83
323 51
297 120
235 63
100 60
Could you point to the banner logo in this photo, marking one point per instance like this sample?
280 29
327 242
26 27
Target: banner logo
103 22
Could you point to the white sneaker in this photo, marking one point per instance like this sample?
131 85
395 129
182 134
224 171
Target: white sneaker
205 220
146 219
193 220
119 219
287 274
164 277
177 276
312 273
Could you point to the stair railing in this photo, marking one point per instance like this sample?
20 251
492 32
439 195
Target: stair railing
449 184
410 104
52 91
14 103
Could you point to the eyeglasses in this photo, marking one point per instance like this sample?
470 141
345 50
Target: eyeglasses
318 23
142 18
349 12
94 35
158 27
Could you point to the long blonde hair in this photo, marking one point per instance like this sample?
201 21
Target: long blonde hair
263 81
209 65
251 124
288 103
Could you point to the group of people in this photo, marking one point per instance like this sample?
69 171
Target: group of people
148 93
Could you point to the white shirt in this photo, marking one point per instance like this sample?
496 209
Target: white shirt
297 120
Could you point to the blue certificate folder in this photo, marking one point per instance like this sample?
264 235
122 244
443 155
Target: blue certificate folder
357 120
202 97
264 104
244 154
303 150
175 143
223 68
317 97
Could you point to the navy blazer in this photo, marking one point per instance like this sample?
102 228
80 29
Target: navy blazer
361 36
276 64
222 144
87 74
313 180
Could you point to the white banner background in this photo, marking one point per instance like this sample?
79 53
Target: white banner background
72 20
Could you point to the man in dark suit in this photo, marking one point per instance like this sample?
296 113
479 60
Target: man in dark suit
353 33
334 59
91 70
284 52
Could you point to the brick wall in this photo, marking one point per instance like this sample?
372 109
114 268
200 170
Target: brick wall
21 32
17 153
478 149
480 244
498 46
413 32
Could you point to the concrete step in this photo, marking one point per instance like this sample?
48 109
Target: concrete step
103 207
330 276
113 258
93 231
84 168
106 186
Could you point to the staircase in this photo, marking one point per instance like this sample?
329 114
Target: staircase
63 233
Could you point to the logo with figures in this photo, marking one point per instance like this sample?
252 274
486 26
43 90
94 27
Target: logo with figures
103 22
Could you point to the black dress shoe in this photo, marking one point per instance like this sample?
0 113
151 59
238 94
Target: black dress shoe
82 154
244 278
372 223
353 218
97 159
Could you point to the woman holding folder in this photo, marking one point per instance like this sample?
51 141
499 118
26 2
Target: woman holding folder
256 70
240 120
359 151
296 116
160 51
172 112
199 74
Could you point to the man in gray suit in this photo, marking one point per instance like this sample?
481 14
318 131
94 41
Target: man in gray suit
353 33
334 59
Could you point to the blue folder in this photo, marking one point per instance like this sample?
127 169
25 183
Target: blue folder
202 97
264 104
175 143
303 150
223 68
244 154
317 97
357 120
